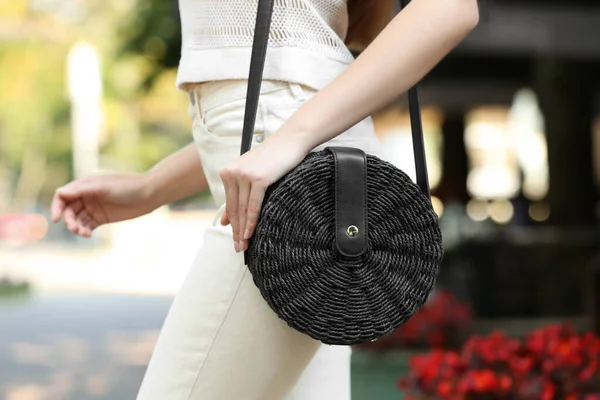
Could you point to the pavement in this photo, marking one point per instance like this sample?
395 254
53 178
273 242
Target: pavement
86 329
149 255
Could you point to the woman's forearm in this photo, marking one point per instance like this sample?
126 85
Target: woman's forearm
177 176
406 50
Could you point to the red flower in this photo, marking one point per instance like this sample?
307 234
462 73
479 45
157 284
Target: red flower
505 383
521 365
485 381
403 383
444 389
548 391
554 362
441 323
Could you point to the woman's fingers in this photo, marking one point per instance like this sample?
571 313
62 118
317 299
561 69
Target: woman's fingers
244 194
232 211
69 215
85 223
67 204
259 168
225 219
243 197
58 207
63 196
83 219
257 195
229 179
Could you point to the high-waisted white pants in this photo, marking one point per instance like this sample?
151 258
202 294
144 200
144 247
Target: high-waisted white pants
220 340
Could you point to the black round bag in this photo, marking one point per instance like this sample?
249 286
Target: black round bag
347 247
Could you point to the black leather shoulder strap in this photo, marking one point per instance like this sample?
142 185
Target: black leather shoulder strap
257 63
416 127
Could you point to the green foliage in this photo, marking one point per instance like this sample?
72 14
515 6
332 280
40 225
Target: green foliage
145 117
12 289
153 32
34 112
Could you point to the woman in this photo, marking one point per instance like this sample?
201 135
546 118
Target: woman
220 340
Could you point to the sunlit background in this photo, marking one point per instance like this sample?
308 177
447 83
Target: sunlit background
512 135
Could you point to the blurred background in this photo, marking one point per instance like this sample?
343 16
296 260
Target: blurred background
512 125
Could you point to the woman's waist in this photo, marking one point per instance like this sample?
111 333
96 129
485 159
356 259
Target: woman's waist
220 145
211 95
216 154
285 63
218 108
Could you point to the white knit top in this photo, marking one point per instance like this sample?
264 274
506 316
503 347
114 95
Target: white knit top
306 43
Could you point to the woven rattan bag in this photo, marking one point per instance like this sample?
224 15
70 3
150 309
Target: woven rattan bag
347 247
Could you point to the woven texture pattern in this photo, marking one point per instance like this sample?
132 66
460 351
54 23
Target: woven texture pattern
306 41
341 301
315 25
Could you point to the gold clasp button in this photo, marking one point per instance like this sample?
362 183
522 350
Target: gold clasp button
352 231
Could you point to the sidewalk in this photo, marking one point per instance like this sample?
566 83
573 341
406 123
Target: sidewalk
149 255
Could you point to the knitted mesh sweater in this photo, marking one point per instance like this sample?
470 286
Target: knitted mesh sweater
306 43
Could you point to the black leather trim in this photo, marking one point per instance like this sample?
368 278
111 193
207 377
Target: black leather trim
350 200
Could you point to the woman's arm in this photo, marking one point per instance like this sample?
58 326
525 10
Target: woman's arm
175 177
89 202
406 50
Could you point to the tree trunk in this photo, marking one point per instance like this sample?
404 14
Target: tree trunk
33 169
455 164
566 99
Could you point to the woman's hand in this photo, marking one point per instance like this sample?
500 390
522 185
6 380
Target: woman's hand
247 178
86 203
89 202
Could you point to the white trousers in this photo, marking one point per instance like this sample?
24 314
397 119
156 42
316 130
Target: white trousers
220 340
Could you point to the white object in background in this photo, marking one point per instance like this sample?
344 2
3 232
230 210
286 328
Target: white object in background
399 150
494 171
85 92
398 145
526 128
